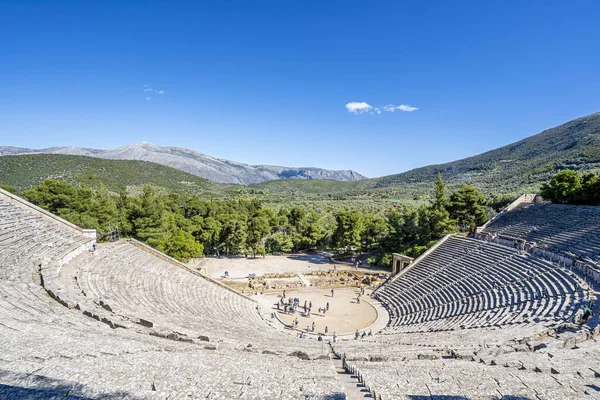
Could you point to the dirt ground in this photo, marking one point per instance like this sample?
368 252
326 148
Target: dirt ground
345 315
240 267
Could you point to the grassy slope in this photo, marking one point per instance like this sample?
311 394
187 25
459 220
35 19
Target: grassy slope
26 171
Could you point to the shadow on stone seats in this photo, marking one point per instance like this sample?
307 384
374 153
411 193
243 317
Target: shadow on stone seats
58 392
450 397
27 386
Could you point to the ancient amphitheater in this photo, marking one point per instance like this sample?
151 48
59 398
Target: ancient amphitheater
491 316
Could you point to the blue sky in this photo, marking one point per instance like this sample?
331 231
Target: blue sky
268 82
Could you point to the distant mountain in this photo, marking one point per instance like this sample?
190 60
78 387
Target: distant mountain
508 170
196 163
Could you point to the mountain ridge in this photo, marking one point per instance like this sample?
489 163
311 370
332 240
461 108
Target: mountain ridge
195 163
508 170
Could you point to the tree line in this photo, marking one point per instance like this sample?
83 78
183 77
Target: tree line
184 226
570 187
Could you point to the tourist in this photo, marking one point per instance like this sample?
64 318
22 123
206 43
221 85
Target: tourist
364 334
326 330
327 306
335 338
304 305
283 296
370 332
320 338
587 313
356 335
331 292
313 326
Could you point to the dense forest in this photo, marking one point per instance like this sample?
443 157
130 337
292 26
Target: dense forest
186 226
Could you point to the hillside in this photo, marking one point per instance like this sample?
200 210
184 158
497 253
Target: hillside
511 169
26 171
196 163
573 145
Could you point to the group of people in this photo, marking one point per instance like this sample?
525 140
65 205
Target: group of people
292 305
358 335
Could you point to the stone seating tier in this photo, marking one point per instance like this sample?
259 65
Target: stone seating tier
565 229
466 283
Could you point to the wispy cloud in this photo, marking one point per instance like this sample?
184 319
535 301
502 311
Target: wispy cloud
401 107
362 107
150 90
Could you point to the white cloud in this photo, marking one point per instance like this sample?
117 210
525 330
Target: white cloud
361 107
358 107
148 98
407 108
161 92
401 107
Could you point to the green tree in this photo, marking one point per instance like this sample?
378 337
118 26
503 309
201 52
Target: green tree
349 229
146 215
233 234
258 229
440 197
53 196
180 245
211 231
590 189
434 220
564 187
468 207
375 229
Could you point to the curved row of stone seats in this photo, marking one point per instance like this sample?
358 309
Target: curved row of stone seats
458 379
121 282
465 283
27 238
564 356
563 229
62 359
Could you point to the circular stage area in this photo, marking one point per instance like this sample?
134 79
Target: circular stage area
344 317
